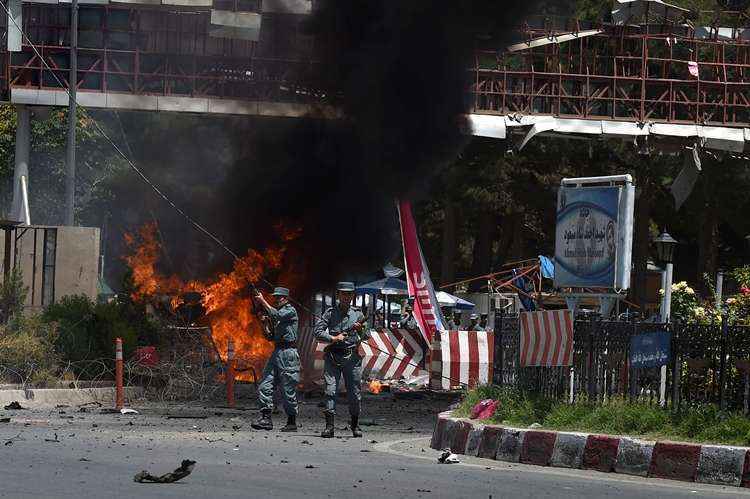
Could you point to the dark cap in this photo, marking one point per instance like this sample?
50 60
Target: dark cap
345 286
280 292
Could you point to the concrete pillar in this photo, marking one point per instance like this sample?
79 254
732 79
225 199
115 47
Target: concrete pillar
21 168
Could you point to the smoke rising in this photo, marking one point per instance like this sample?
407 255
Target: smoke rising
397 71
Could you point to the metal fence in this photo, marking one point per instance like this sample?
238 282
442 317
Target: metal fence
708 363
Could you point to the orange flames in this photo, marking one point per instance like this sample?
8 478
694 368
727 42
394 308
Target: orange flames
224 298
375 386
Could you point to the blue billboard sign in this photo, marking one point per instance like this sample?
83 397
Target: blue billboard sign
650 349
594 236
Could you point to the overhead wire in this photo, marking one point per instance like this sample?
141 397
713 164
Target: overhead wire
194 223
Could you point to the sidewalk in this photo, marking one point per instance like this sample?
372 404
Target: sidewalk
35 398
710 464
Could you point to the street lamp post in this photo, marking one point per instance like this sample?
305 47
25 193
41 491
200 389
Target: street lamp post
665 246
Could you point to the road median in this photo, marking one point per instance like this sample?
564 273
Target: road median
690 462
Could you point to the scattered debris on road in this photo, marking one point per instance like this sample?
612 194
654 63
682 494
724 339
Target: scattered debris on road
14 406
184 470
447 457
126 410
484 409
310 467
55 440
4 420
10 441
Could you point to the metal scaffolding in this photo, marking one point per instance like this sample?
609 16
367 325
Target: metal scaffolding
160 50
637 73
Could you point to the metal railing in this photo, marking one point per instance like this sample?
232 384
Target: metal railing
709 363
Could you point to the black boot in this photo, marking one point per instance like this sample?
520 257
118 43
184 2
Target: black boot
264 421
356 430
328 432
291 424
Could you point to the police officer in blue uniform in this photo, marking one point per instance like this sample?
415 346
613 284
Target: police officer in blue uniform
342 327
283 366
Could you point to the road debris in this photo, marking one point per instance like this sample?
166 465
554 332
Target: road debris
14 406
55 440
184 470
447 457
10 441
484 409
214 441
4 420
126 410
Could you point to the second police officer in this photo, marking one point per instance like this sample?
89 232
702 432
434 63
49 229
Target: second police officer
342 327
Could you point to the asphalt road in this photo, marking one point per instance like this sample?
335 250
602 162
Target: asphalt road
96 455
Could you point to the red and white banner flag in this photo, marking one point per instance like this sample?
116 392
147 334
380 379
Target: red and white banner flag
426 309
460 359
388 354
546 338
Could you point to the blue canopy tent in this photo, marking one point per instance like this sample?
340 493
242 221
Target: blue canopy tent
448 300
385 286
388 287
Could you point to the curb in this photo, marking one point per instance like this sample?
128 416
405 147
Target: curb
50 397
710 464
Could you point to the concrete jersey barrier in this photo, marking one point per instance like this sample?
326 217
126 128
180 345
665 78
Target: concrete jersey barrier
710 464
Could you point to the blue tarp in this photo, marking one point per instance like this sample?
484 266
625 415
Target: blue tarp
524 284
547 266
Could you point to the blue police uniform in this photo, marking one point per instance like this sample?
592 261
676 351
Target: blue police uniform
342 359
283 366
284 363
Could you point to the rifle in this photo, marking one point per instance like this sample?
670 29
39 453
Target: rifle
357 329
265 321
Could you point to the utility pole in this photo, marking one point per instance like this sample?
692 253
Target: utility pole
70 174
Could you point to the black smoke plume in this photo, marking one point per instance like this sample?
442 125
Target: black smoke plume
397 71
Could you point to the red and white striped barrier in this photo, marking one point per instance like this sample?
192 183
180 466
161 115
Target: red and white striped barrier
387 354
713 464
392 354
461 358
546 338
